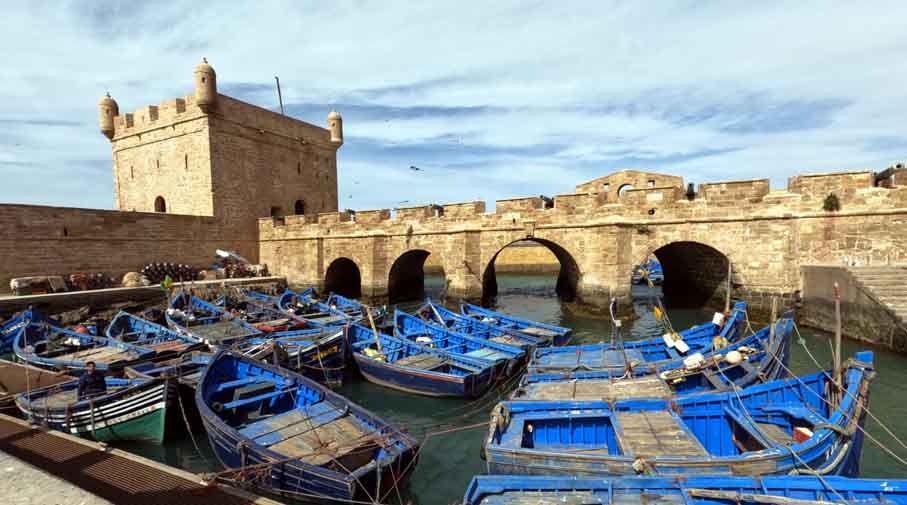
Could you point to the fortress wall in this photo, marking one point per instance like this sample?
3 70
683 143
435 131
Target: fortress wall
39 240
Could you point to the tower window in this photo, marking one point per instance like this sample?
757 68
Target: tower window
299 208
160 205
276 212
299 167
186 161
651 183
203 79
131 172
606 186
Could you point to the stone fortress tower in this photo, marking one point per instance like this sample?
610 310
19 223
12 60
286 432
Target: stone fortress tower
211 155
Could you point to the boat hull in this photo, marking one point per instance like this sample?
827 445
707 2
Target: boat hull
422 383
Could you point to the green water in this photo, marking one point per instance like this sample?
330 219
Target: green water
449 461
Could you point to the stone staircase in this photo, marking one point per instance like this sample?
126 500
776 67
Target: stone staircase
886 284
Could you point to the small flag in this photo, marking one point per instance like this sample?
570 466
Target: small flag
657 312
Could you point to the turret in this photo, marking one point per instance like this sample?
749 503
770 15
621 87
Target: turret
335 124
205 86
107 110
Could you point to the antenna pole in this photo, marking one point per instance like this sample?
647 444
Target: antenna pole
837 356
279 95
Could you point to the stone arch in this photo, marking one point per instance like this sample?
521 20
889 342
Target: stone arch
343 277
160 205
568 278
406 277
299 208
623 189
694 273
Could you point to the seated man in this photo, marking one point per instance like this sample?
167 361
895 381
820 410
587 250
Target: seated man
92 382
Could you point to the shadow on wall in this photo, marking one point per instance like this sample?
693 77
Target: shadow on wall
694 274
406 280
567 278
343 278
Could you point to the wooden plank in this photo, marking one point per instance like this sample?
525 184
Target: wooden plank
326 442
600 389
775 433
424 361
656 433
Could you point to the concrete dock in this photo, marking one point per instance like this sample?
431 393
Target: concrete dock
39 466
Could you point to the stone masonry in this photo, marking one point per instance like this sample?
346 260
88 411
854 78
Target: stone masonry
763 235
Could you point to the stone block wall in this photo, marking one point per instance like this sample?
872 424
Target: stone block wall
734 192
39 240
612 183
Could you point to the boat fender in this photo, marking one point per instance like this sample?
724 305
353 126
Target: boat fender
681 346
425 340
693 361
217 407
719 342
669 340
718 319
734 357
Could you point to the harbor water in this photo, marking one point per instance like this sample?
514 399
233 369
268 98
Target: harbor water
449 460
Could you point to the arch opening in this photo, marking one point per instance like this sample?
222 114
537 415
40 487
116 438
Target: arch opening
343 278
695 274
299 208
568 273
160 205
406 280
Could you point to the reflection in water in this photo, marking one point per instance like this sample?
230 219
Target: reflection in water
449 461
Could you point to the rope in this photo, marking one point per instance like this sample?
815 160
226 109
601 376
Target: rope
186 419
802 342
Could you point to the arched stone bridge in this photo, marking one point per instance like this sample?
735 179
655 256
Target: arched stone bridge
598 237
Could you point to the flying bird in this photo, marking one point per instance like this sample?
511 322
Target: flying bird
414 168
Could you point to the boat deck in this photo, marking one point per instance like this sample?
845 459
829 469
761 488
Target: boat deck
112 475
220 331
597 359
105 355
540 332
547 498
656 433
599 389
423 361
508 340
317 435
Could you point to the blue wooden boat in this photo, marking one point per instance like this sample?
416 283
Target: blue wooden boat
708 490
131 409
438 315
132 329
319 353
409 327
42 343
649 271
558 335
205 322
317 313
406 366
263 316
9 330
780 427
756 359
647 353
298 437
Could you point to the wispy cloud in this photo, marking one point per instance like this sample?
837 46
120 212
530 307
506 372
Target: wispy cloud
500 100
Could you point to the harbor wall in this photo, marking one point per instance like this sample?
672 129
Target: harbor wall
41 240
531 259
863 317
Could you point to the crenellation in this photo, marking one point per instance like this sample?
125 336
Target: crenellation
734 192
519 204
413 213
463 210
373 216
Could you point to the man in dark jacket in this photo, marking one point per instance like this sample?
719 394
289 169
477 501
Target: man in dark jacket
92 382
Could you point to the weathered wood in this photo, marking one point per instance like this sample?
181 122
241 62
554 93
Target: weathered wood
600 389
655 433
736 497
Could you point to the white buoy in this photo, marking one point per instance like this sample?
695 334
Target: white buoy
734 357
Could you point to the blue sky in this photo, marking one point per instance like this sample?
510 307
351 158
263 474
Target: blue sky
491 99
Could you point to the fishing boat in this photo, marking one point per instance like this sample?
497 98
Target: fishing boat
42 343
302 305
409 327
131 409
781 427
132 329
438 315
649 353
8 331
319 353
693 490
185 372
205 322
353 308
295 437
648 272
556 334
759 358
407 366
263 316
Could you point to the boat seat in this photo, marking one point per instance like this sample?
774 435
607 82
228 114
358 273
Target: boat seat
253 399
797 411
238 383
764 436
655 433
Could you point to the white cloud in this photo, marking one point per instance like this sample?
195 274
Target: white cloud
602 85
